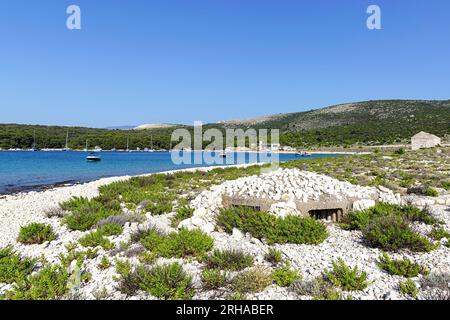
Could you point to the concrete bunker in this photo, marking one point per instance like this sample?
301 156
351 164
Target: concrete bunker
325 208
334 215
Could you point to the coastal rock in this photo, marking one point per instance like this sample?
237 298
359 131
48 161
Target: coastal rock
363 204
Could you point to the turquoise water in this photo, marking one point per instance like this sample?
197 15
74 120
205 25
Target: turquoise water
21 171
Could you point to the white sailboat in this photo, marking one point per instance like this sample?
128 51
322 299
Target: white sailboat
33 148
151 145
66 148
128 144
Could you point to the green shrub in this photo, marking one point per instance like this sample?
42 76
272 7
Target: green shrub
439 233
95 239
236 296
393 233
213 278
431 192
359 220
318 289
285 276
183 243
182 213
251 281
404 267
111 229
446 185
104 263
262 225
346 278
49 284
128 279
229 260
13 267
167 282
400 151
36 233
409 288
274 256
86 213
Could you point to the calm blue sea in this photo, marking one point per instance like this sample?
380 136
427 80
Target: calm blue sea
21 171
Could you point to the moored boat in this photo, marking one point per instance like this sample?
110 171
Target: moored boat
92 157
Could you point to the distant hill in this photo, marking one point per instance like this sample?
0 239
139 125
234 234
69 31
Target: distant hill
120 128
154 126
366 123
359 123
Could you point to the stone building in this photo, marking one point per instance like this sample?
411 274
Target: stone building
424 140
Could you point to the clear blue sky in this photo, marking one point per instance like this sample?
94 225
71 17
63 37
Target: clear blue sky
178 61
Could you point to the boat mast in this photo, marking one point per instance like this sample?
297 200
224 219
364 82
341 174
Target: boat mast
67 140
128 142
151 142
34 140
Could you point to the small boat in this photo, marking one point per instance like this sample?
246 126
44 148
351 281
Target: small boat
92 157
303 154
223 155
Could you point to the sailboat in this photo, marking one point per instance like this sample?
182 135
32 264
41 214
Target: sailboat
66 148
33 148
151 145
128 144
86 149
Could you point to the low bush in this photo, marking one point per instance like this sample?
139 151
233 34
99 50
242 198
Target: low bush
446 185
121 219
318 289
13 267
431 192
236 296
96 239
167 282
213 278
346 278
179 244
439 233
87 213
409 288
393 233
359 220
274 256
229 260
111 229
48 284
285 276
182 213
104 263
36 233
400 151
251 281
128 281
262 225
404 267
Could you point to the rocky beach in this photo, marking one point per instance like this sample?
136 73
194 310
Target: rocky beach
285 191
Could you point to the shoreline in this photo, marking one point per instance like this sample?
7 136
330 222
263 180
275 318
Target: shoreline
74 183
168 151
13 190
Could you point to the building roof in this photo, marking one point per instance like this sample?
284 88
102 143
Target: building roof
423 134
